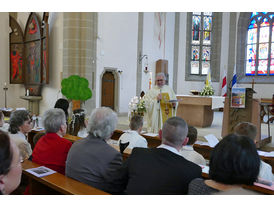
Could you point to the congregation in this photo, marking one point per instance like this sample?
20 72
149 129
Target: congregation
171 168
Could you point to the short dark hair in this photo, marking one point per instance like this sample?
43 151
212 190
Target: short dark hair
62 104
17 119
246 129
136 122
174 131
192 135
234 160
5 153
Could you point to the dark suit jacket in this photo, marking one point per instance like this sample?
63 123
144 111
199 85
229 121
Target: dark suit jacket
92 161
157 171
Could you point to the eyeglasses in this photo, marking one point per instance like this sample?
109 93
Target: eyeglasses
159 80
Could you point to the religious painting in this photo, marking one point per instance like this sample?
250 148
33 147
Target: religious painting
29 63
33 61
16 52
16 63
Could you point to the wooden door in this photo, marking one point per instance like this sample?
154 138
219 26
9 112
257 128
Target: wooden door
108 85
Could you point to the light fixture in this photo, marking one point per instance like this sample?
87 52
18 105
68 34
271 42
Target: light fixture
146 62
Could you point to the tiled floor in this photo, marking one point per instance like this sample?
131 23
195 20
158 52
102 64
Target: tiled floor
216 127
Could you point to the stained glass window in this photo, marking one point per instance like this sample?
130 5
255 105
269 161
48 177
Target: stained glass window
260 45
201 42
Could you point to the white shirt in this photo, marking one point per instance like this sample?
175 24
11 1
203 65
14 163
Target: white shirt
24 146
171 149
134 139
82 133
5 127
191 155
266 172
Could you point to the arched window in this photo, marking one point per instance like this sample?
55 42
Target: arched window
260 45
201 50
255 53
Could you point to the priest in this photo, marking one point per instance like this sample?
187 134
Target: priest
161 104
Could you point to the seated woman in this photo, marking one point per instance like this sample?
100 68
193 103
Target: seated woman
51 150
78 125
3 126
10 165
234 162
20 126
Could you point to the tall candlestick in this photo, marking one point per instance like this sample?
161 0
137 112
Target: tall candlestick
5 89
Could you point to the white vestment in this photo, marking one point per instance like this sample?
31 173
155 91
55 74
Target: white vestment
154 113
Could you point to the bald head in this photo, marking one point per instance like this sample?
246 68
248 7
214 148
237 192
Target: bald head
174 132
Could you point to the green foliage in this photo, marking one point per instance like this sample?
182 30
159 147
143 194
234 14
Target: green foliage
76 88
207 91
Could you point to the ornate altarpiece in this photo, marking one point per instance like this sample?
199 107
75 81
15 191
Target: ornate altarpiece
29 53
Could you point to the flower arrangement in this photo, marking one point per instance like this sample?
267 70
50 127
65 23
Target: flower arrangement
207 91
137 106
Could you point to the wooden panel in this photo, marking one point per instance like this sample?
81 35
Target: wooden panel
251 113
195 100
250 187
196 111
162 67
57 184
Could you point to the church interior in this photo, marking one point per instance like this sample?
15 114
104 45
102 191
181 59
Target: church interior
120 54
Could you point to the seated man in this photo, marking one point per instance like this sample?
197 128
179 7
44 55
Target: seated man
248 129
91 160
188 152
160 170
51 150
133 136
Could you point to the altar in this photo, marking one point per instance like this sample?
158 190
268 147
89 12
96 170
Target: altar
198 110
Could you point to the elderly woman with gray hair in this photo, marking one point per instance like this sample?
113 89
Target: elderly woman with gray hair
20 126
51 150
91 160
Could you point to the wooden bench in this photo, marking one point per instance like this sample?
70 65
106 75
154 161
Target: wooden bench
204 150
250 187
56 184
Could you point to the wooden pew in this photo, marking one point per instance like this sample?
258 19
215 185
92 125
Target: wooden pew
204 150
152 141
126 152
57 184
250 187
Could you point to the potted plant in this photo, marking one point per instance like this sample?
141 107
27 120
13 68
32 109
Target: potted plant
76 88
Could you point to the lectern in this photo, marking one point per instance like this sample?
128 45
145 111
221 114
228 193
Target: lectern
251 113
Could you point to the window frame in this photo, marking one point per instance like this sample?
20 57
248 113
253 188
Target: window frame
216 32
243 24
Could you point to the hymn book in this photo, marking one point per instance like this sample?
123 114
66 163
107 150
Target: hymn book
41 171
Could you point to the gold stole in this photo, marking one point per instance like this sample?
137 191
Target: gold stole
166 107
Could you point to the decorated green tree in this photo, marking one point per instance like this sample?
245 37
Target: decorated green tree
76 88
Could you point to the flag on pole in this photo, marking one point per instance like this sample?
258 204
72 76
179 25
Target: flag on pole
234 78
224 87
208 78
